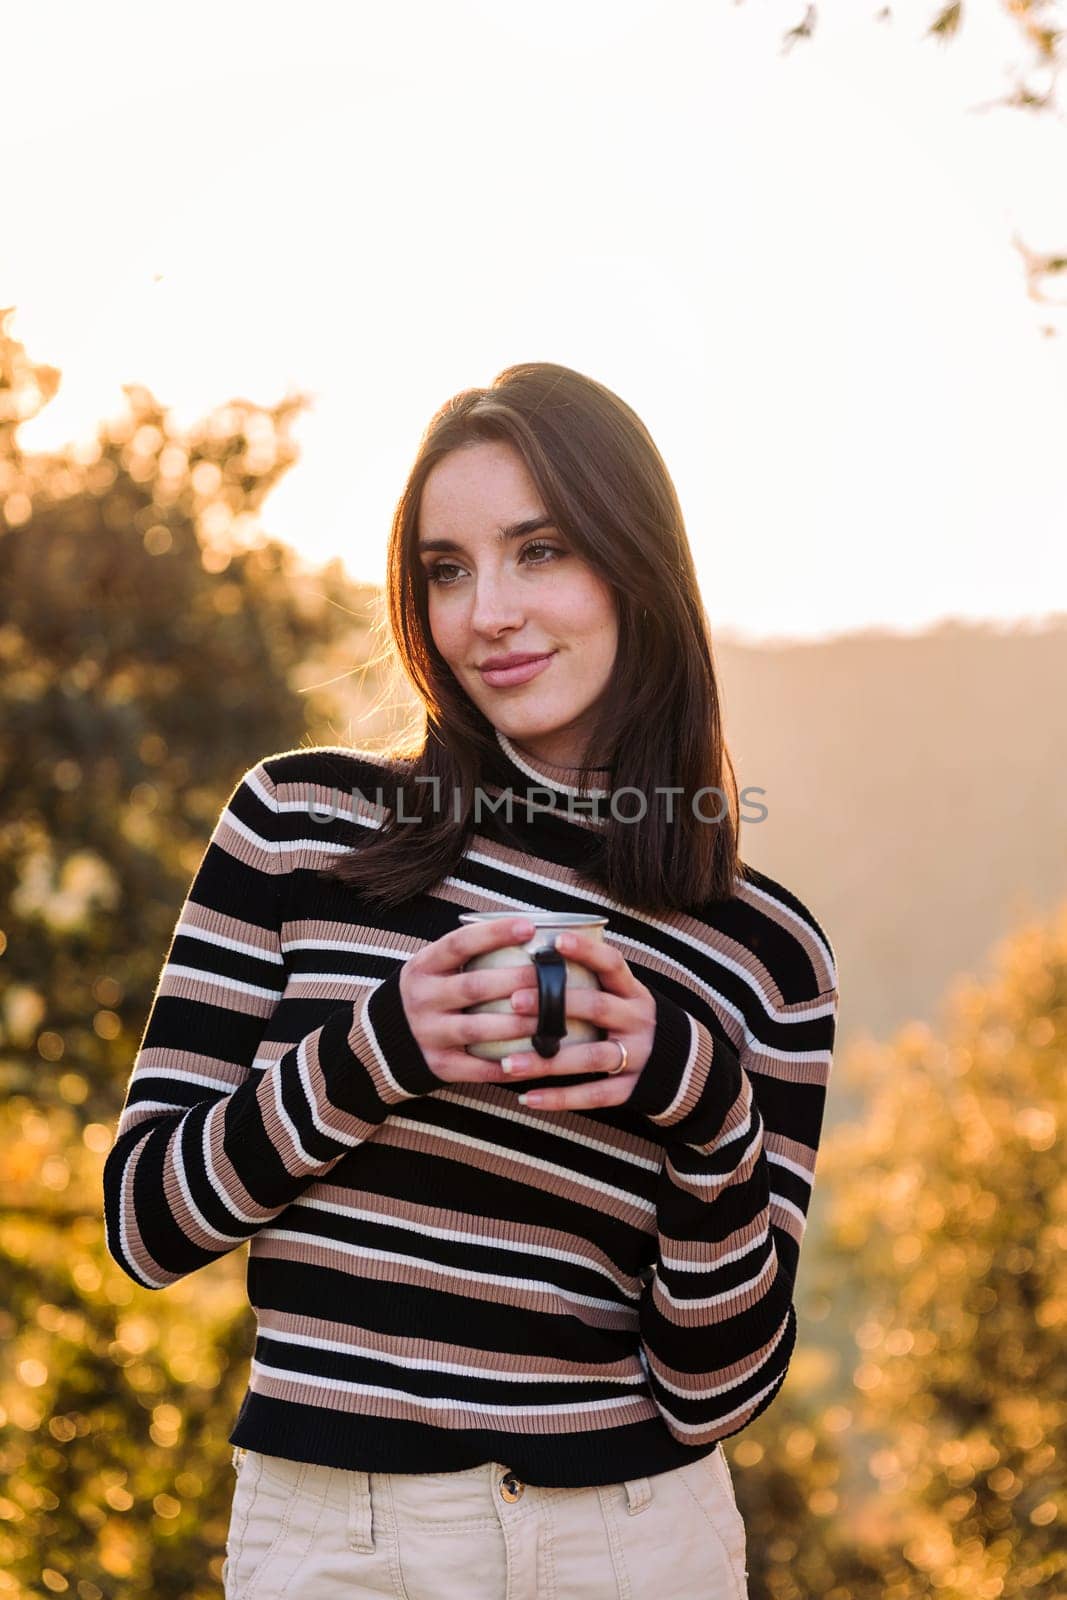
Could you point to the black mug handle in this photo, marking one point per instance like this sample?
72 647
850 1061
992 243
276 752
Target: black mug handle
551 988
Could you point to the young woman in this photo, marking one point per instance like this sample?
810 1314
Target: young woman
505 1318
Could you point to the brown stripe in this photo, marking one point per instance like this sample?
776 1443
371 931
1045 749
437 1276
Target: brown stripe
792 1150
406 1349
489 1231
734 1373
218 926
763 901
135 1245
356 1263
517 1167
262 857
226 1182
456 1414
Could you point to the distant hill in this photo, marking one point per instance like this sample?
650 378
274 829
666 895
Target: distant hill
917 795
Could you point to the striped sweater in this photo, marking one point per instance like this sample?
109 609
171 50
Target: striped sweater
440 1275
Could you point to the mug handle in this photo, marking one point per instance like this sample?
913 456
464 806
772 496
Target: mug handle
551 988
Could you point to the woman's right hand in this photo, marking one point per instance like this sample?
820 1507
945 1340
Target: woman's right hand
434 992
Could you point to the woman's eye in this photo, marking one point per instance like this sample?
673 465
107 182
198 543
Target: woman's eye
438 572
541 545
434 573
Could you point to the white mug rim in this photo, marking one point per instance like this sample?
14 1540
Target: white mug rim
540 919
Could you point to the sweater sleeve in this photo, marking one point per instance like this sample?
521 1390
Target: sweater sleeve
740 1133
208 1148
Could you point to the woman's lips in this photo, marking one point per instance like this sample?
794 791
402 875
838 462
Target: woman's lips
504 677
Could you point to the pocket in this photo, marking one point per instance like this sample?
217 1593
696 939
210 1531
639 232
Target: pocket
684 1541
274 1519
718 1464
713 1486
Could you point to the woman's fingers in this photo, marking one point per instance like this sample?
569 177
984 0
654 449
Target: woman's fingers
602 958
592 1005
582 1096
452 950
460 1028
594 1055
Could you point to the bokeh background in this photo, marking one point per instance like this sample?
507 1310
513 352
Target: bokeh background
246 250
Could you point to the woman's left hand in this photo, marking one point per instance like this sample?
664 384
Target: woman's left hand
624 1008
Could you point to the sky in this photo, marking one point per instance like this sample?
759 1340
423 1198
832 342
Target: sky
795 265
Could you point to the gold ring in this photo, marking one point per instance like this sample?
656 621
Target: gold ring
611 1071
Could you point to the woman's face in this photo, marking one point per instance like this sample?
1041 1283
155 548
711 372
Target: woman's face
527 594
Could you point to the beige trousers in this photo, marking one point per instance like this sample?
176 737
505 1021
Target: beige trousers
307 1532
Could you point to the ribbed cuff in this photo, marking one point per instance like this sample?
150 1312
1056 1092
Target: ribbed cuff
692 1079
384 1017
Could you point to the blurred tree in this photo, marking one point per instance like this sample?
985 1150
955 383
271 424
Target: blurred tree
115 1477
153 645
948 1203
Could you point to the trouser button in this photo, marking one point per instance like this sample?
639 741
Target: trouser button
511 1487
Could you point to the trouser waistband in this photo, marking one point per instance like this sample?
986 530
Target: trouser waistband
361 1510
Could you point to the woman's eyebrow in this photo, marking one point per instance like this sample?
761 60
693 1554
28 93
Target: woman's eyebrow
513 530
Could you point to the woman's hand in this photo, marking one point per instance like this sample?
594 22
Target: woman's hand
623 1007
435 992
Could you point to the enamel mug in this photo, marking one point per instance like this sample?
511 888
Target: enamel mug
553 973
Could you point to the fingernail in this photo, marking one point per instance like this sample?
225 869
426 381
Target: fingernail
532 1097
522 929
565 941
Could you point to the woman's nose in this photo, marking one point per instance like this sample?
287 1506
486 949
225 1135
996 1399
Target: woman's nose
496 605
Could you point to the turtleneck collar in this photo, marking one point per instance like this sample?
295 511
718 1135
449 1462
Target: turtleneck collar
535 770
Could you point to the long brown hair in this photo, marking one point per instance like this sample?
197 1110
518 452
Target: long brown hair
608 491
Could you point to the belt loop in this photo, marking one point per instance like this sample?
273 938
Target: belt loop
638 1495
360 1515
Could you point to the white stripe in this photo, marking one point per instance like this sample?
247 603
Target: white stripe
497 1280
787 1205
216 980
138 1106
712 1390
179 1075
459 1236
178 1165
379 1054
305 1079
439 1403
457 1369
126 1210
539 1165
687 1074
283 1117
269 846
705 1302
254 1218
803 1173
717 1180
804 928
678 1426
725 1258
582 1135
188 931
213 1176
254 781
